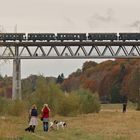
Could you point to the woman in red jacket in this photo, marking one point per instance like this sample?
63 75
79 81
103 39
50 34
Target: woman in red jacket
45 115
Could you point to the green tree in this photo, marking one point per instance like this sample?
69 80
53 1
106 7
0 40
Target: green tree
115 93
60 78
134 86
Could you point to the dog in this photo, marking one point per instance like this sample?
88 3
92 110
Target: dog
52 126
56 125
30 128
60 124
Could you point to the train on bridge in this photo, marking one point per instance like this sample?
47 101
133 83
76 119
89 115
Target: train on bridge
69 37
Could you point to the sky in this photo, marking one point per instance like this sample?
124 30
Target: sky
65 16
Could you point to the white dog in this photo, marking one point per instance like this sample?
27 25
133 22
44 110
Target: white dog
57 125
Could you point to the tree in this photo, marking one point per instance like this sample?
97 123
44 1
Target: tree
91 85
134 86
60 79
70 84
88 65
115 93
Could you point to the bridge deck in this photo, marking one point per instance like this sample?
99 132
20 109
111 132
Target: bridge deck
74 43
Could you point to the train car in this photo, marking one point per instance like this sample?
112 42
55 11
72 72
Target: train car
71 36
102 36
40 36
12 36
129 36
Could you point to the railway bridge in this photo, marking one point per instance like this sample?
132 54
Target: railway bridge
63 50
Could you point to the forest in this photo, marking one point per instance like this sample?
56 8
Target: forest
94 83
110 80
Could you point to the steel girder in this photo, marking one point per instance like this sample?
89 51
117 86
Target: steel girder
69 50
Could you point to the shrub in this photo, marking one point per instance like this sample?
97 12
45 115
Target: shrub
16 108
81 101
3 104
89 103
69 105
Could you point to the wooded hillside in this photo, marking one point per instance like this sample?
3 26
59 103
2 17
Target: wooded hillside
110 79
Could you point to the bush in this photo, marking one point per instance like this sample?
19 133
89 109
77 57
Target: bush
69 105
81 101
16 108
138 106
89 103
3 104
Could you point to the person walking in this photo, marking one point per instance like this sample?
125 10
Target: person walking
45 117
33 114
124 103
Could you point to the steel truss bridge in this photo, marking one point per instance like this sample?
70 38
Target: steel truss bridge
63 50
69 50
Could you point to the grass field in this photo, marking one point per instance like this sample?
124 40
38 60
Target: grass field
109 124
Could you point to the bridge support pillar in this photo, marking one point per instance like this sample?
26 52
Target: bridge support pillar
16 89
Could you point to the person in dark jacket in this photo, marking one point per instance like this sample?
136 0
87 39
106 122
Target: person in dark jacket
33 119
45 115
124 100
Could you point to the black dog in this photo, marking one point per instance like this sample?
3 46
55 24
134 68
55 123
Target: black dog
30 128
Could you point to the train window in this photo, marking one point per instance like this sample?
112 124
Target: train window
125 36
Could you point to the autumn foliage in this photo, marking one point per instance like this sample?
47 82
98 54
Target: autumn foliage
110 79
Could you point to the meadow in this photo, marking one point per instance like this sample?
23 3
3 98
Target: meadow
109 124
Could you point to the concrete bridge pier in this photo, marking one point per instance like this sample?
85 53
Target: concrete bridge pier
16 87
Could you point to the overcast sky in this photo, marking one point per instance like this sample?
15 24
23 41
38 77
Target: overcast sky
65 16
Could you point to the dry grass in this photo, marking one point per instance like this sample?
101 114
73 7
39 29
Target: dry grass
109 124
8 128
